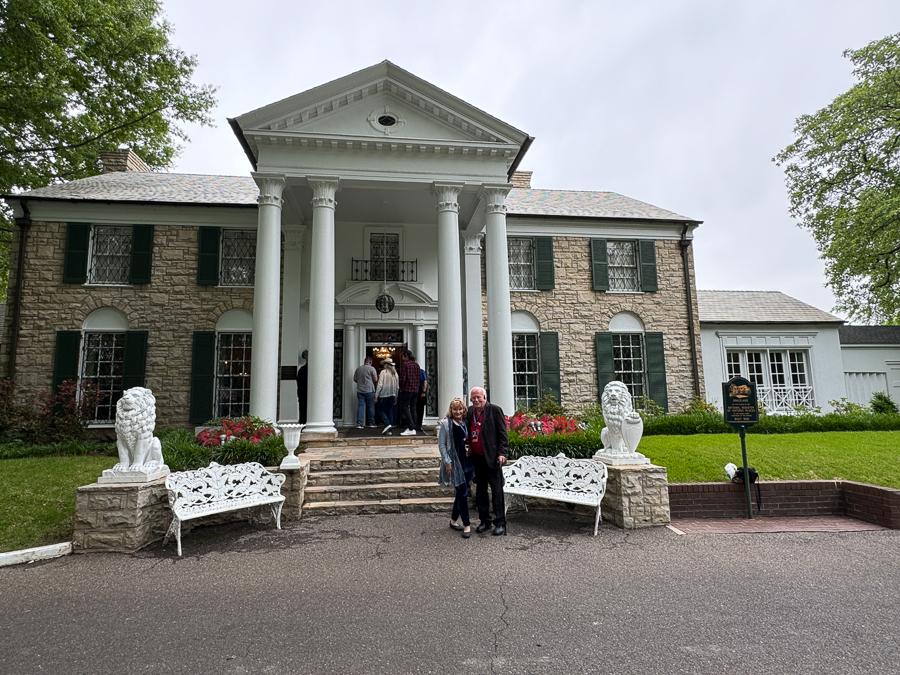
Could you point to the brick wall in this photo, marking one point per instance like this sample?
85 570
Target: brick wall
170 308
871 503
576 311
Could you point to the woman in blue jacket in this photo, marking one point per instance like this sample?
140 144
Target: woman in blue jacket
456 469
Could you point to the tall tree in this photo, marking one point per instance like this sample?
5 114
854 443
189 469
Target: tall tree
843 179
80 76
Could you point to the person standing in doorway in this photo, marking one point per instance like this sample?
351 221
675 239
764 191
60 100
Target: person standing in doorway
303 387
489 445
420 402
386 394
366 379
409 391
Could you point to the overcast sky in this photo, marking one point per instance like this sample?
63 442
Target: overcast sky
681 104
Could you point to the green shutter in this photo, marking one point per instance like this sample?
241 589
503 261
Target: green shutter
78 237
543 257
141 254
550 375
656 370
648 265
65 360
203 376
600 265
135 359
208 256
606 367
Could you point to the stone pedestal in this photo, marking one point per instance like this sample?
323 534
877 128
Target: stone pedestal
120 517
294 490
637 496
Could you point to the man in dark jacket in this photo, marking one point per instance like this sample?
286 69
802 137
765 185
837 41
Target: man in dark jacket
489 447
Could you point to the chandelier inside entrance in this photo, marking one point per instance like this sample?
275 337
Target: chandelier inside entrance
382 352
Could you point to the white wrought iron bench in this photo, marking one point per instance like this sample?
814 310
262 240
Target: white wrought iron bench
217 489
576 481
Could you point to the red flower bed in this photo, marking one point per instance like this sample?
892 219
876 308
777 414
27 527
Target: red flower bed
246 428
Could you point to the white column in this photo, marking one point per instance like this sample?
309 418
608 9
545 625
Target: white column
321 311
266 295
450 333
351 363
418 348
290 319
500 361
474 328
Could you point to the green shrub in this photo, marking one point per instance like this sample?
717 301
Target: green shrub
19 449
699 404
54 416
882 404
845 407
571 445
181 451
547 405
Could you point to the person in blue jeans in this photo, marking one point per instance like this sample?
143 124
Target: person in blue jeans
456 469
366 380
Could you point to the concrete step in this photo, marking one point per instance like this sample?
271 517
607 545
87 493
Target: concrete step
373 442
423 505
368 476
375 492
373 461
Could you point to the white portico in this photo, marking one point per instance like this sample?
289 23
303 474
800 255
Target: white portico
377 184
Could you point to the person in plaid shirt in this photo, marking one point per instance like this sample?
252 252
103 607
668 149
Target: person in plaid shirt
410 374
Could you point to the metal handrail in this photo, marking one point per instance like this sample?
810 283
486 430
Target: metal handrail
374 270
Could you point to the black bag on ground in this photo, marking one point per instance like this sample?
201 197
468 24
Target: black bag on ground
754 478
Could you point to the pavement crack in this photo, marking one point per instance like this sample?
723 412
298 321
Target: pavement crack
498 632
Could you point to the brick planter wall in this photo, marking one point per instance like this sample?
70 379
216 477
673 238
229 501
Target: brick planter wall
870 503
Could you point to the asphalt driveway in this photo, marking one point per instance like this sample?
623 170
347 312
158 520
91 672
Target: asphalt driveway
405 594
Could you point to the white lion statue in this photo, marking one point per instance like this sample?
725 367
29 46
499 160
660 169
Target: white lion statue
135 420
624 426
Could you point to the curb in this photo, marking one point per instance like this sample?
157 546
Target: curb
38 553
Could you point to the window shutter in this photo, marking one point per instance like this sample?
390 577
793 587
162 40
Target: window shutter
543 256
141 254
208 256
65 360
648 265
550 375
203 376
78 237
486 362
606 367
135 359
600 265
656 370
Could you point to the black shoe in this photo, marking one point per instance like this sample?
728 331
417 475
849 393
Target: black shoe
458 528
483 526
499 531
466 535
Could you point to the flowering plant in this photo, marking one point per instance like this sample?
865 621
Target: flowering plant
529 426
248 428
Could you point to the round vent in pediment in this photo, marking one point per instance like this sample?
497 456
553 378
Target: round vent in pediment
386 121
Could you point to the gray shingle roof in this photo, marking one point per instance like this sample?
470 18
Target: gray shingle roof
869 335
172 188
583 205
758 307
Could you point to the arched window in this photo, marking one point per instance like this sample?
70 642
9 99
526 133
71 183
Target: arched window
234 333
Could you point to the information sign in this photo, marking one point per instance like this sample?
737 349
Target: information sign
739 402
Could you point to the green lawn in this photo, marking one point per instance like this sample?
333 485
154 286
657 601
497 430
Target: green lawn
37 494
37 497
863 456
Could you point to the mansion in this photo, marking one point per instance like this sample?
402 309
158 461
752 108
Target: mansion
381 214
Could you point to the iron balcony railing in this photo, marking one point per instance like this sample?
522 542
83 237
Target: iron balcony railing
385 270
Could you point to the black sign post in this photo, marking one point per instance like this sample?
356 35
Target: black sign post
741 410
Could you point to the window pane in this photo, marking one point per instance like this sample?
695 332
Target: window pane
521 263
110 255
526 376
102 358
755 368
798 369
733 360
233 375
776 368
628 361
623 271
238 258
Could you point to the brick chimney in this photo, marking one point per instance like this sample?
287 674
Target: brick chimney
522 179
123 159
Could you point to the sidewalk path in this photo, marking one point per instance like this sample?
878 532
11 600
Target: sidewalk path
405 594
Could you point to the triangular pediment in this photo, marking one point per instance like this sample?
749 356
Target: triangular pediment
382 104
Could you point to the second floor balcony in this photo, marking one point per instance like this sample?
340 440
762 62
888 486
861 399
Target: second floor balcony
384 270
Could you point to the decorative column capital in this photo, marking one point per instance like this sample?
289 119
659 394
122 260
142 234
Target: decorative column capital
271 187
494 196
474 243
293 238
447 194
324 189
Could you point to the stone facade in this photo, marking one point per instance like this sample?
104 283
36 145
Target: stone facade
170 308
576 311
637 496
